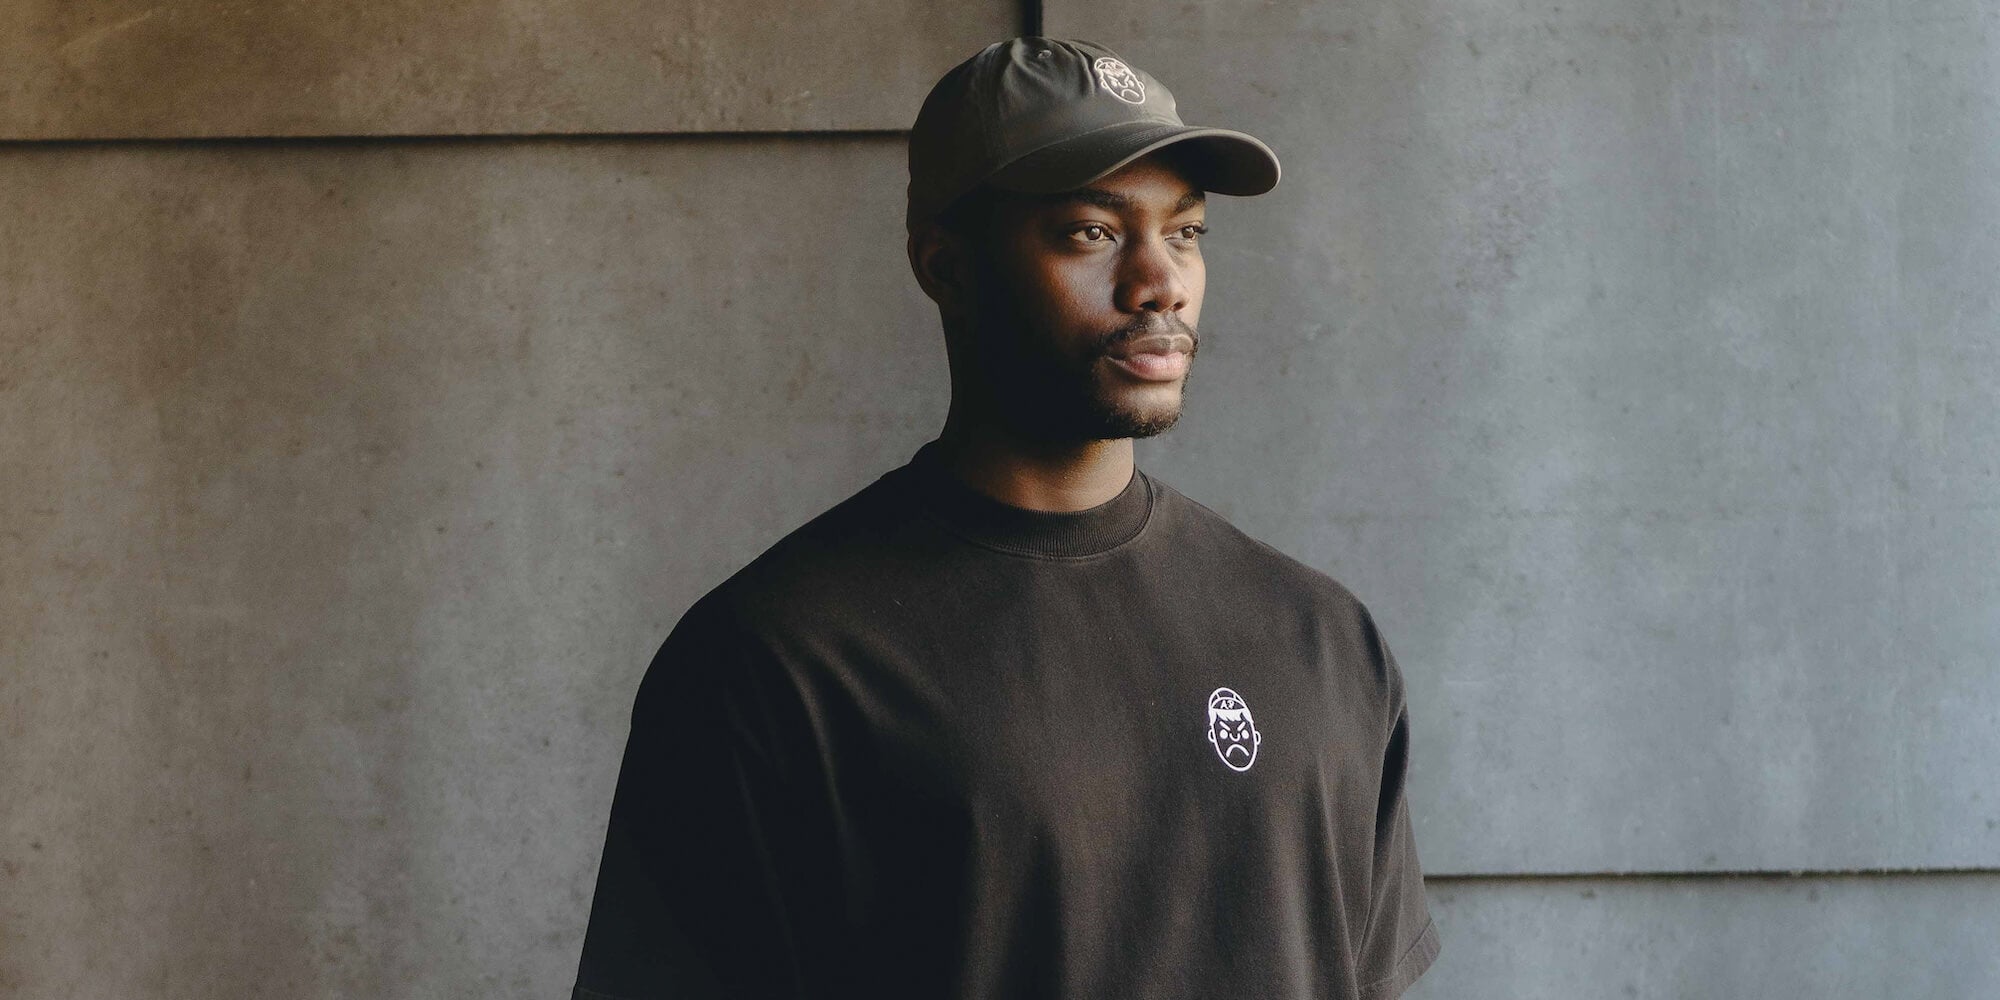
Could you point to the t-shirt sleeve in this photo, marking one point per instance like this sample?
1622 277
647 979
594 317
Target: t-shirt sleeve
715 873
1401 940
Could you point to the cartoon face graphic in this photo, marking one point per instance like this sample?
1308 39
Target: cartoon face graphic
1118 78
1230 730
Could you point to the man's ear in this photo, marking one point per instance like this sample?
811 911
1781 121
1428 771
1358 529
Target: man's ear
940 260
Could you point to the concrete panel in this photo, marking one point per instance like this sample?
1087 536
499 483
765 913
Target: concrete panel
1772 938
346 490
1637 363
139 68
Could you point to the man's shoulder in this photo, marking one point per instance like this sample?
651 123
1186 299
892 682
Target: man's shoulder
1289 590
1220 544
822 562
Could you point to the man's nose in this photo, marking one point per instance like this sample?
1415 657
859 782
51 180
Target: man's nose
1151 279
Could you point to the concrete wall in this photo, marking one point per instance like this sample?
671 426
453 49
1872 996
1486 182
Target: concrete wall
1635 363
1717 939
349 488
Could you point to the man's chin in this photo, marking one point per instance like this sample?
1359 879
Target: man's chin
1137 411
1153 427
1133 423
1104 413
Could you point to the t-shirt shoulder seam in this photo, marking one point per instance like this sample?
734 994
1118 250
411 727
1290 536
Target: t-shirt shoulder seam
1340 589
767 572
823 525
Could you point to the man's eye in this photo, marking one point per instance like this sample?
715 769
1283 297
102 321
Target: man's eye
1094 233
1193 230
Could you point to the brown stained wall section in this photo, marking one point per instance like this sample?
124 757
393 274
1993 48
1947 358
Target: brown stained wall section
137 68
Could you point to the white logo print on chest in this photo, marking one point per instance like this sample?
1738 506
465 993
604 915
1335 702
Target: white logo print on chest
1230 730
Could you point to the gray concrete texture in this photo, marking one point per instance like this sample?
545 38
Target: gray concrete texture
1637 363
130 68
1708 938
346 491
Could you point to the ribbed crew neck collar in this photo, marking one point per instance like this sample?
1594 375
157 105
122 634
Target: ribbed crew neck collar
1047 534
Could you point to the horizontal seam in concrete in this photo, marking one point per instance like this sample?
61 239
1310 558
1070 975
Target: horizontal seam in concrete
1801 873
482 137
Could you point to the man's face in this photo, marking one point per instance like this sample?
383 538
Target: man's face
1086 306
1235 737
1231 730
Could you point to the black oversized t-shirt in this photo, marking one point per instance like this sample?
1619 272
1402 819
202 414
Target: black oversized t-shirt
933 745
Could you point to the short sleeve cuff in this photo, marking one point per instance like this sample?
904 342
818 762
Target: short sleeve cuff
1418 957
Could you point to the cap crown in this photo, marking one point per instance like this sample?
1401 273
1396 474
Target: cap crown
1013 98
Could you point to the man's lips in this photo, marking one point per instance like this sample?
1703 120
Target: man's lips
1158 357
1156 343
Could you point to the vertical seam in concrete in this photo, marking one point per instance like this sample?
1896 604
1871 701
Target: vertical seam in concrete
1031 17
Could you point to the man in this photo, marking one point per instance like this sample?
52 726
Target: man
1018 720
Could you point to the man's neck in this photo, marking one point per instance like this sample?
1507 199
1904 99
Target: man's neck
1069 476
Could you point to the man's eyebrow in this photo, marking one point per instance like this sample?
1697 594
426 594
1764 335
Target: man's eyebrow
1114 201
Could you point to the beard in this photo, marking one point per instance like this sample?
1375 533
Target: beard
1040 392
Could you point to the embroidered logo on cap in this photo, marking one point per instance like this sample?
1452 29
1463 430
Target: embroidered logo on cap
1230 730
1119 79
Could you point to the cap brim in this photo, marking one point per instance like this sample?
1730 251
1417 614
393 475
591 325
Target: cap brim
1220 160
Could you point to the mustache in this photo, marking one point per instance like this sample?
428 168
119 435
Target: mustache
1168 328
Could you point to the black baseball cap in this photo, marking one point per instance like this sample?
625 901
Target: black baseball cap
1040 115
